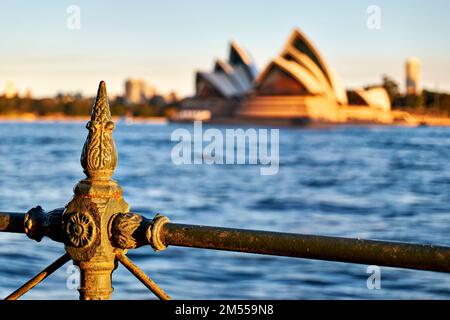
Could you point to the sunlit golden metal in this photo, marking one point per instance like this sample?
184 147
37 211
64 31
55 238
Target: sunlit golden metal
127 263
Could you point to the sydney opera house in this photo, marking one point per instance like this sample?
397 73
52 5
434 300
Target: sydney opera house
296 87
222 90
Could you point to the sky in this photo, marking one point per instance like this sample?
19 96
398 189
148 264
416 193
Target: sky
165 42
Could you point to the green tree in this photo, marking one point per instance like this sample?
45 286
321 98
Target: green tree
393 90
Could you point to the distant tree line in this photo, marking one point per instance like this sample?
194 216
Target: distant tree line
428 102
78 106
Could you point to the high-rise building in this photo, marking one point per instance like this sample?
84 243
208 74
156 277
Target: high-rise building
28 94
11 90
413 86
172 97
137 91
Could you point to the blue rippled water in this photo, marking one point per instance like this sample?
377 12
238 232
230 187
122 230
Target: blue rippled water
368 182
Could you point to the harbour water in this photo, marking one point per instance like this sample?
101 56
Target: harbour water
386 183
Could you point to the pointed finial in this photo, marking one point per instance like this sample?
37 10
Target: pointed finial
99 156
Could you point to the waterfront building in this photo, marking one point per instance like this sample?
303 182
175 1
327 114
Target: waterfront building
172 97
299 86
137 91
28 94
296 87
413 86
221 90
375 97
11 90
297 83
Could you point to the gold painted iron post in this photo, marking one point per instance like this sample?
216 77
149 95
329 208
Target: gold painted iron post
84 225
86 219
97 198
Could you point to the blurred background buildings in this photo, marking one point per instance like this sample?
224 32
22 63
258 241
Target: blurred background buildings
297 86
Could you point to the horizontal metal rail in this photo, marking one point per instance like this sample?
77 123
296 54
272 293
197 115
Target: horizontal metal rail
12 222
382 253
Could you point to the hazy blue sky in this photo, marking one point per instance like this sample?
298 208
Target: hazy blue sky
164 42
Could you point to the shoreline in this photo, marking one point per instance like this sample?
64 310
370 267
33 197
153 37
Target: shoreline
422 120
31 118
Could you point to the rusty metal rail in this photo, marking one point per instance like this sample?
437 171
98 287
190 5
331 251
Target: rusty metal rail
12 222
382 253
97 229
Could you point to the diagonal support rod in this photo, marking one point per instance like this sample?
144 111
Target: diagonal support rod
138 273
39 277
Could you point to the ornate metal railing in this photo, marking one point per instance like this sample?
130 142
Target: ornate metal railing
97 229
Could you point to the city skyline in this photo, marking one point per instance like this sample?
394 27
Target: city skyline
166 43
